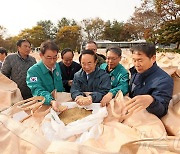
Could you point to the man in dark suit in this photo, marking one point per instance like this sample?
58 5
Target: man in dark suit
68 68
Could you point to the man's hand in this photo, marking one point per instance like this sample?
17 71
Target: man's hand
138 103
70 82
58 108
83 101
106 99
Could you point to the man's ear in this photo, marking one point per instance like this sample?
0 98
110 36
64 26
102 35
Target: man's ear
40 54
153 58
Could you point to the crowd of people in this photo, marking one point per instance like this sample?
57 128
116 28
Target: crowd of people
95 79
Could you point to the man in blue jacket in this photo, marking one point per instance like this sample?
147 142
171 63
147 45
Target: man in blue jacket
90 83
150 87
45 76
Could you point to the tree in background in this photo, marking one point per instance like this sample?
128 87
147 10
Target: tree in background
150 17
36 35
131 33
69 37
112 31
117 31
167 9
66 22
93 28
10 44
170 33
49 28
156 21
146 21
2 33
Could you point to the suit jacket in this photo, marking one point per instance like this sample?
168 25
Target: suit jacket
67 73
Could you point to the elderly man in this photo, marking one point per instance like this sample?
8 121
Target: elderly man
90 83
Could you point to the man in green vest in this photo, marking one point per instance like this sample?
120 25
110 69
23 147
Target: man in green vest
45 77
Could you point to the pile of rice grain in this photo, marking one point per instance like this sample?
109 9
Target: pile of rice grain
74 114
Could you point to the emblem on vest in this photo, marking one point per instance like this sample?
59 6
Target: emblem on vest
33 79
112 78
57 73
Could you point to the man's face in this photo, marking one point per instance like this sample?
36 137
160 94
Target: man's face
88 64
91 46
24 49
112 59
67 59
2 56
49 58
142 62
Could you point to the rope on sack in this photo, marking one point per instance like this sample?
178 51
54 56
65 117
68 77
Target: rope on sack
32 104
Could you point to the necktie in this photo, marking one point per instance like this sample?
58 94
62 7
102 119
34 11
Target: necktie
87 75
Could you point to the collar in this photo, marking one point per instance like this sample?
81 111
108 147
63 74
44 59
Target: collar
114 71
45 69
52 68
67 67
19 55
90 74
152 69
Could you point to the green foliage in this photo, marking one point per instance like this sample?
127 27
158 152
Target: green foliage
36 35
10 43
49 28
66 22
170 32
69 37
113 31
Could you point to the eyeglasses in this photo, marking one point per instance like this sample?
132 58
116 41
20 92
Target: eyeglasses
51 58
112 59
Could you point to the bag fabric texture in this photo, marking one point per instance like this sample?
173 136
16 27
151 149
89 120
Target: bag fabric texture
9 92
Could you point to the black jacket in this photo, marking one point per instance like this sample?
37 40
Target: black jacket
67 73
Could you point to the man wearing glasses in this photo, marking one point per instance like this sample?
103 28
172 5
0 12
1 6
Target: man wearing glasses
119 75
45 77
